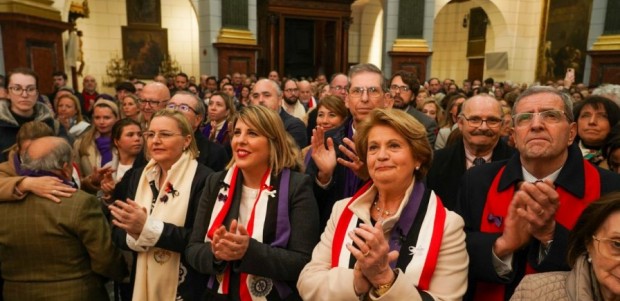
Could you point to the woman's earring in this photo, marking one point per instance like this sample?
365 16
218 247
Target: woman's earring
417 167
589 258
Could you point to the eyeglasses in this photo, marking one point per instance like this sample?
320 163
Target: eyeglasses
477 121
163 135
397 88
18 90
338 88
153 103
291 90
181 107
548 117
609 248
357 92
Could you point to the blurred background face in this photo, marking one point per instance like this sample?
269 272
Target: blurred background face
66 108
397 90
265 94
104 119
593 125
130 107
131 140
430 110
90 84
328 119
217 109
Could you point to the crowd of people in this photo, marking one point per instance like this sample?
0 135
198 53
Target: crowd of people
367 187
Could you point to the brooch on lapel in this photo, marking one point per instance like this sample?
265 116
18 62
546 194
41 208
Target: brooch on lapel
268 189
221 196
496 220
169 191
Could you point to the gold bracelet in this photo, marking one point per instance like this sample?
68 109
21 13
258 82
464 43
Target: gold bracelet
384 288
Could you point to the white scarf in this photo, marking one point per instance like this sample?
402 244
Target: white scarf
157 270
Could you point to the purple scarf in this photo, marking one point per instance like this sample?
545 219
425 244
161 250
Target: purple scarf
104 145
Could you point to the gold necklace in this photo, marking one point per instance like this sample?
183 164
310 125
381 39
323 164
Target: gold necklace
382 212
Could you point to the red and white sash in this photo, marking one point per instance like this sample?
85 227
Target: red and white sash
425 253
255 226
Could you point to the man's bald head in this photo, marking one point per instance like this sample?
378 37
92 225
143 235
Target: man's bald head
153 98
52 154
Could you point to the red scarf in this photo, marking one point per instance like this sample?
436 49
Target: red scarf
497 206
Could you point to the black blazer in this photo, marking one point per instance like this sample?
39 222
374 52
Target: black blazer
449 165
212 155
260 258
472 198
173 238
295 128
427 122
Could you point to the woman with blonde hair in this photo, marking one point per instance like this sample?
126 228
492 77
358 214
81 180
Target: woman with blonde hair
69 115
393 239
156 219
130 106
93 150
432 109
257 221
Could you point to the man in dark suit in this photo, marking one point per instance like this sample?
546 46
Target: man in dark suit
518 213
56 251
212 155
335 165
480 123
267 93
404 87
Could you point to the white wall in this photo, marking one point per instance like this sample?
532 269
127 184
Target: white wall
102 34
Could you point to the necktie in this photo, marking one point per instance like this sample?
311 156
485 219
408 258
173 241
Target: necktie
479 161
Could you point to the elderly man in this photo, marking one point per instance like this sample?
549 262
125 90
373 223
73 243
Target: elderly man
334 164
338 85
291 103
89 93
23 107
212 155
267 93
154 97
518 213
56 251
305 94
404 87
480 123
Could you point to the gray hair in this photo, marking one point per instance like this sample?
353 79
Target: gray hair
610 91
566 99
361 68
60 154
200 105
274 84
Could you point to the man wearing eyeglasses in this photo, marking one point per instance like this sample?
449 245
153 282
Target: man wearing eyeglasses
404 87
154 97
23 107
518 213
212 155
334 165
480 122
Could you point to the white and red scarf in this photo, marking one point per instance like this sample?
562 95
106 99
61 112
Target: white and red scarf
424 253
255 226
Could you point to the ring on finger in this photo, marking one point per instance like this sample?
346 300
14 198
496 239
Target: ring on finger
541 212
54 191
367 253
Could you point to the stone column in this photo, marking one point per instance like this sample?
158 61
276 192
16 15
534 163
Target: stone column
410 50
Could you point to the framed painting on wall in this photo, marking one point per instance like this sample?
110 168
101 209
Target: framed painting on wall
563 39
144 12
144 49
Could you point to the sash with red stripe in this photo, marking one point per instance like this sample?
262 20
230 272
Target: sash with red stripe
497 207
426 252
282 227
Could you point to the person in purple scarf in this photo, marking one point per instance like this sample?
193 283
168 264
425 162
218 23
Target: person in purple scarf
16 182
94 149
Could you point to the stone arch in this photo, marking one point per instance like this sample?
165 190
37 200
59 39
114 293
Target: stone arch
366 32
